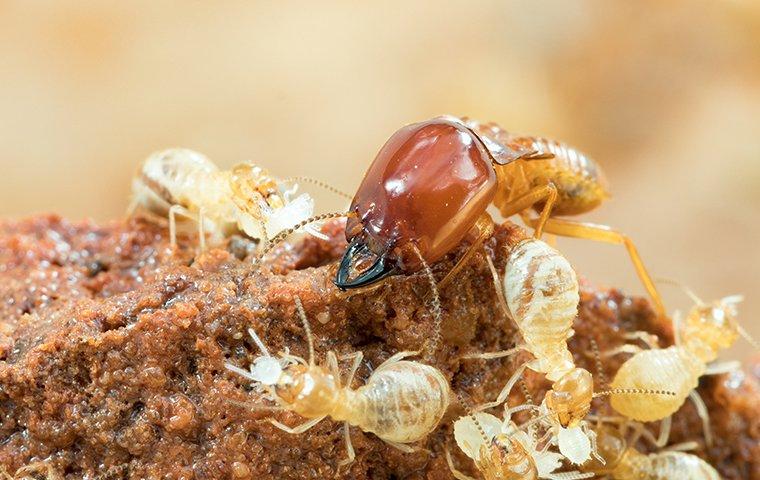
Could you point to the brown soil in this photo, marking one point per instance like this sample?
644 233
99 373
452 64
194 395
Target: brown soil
112 352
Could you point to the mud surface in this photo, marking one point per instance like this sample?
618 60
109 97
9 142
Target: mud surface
112 352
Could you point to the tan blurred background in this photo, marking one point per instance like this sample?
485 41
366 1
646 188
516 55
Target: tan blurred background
664 94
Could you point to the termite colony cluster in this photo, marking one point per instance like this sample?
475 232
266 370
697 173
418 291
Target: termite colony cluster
426 191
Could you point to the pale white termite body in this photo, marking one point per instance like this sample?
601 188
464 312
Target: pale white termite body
707 330
401 402
542 293
624 462
502 451
244 199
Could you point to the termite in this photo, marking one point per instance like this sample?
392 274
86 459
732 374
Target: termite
430 185
401 402
708 328
243 199
621 461
542 294
503 451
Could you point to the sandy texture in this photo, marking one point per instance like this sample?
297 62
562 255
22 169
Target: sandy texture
112 349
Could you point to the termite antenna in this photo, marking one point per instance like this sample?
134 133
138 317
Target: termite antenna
598 362
534 420
470 413
259 343
746 336
633 391
274 241
256 407
497 286
688 291
320 184
435 303
309 339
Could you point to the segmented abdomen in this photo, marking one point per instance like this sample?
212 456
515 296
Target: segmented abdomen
541 290
174 175
665 466
402 402
674 369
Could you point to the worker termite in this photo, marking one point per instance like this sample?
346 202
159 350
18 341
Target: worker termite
401 402
708 328
503 451
542 294
621 461
244 199
431 182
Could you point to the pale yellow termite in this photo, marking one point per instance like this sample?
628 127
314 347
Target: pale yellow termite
244 199
401 402
542 294
503 451
621 461
708 328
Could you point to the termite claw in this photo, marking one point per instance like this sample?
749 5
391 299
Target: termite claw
377 271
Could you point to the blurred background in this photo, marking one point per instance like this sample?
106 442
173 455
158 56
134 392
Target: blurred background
664 94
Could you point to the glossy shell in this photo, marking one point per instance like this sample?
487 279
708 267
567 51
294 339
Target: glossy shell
428 185
402 402
673 368
541 290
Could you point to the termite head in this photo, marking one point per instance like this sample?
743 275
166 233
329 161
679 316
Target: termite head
247 177
506 459
423 193
499 453
712 326
569 399
307 390
610 448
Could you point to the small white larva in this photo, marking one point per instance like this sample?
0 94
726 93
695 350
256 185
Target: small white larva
541 290
401 402
244 199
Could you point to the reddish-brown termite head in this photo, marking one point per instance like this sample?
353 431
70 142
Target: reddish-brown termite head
425 190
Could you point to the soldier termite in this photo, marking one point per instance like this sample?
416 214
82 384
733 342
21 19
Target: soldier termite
401 402
431 182
542 294
708 328
244 199
621 461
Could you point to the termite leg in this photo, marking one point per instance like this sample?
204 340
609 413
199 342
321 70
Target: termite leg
201 230
173 212
649 339
664 436
544 193
403 447
492 355
602 233
350 454
627 348
497 287
396 358
484 226
639 431
298 428
703 414
722 367
504 391
357 358
682 447
332 365
457 474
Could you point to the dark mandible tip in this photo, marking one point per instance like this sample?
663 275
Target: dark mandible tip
377 271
